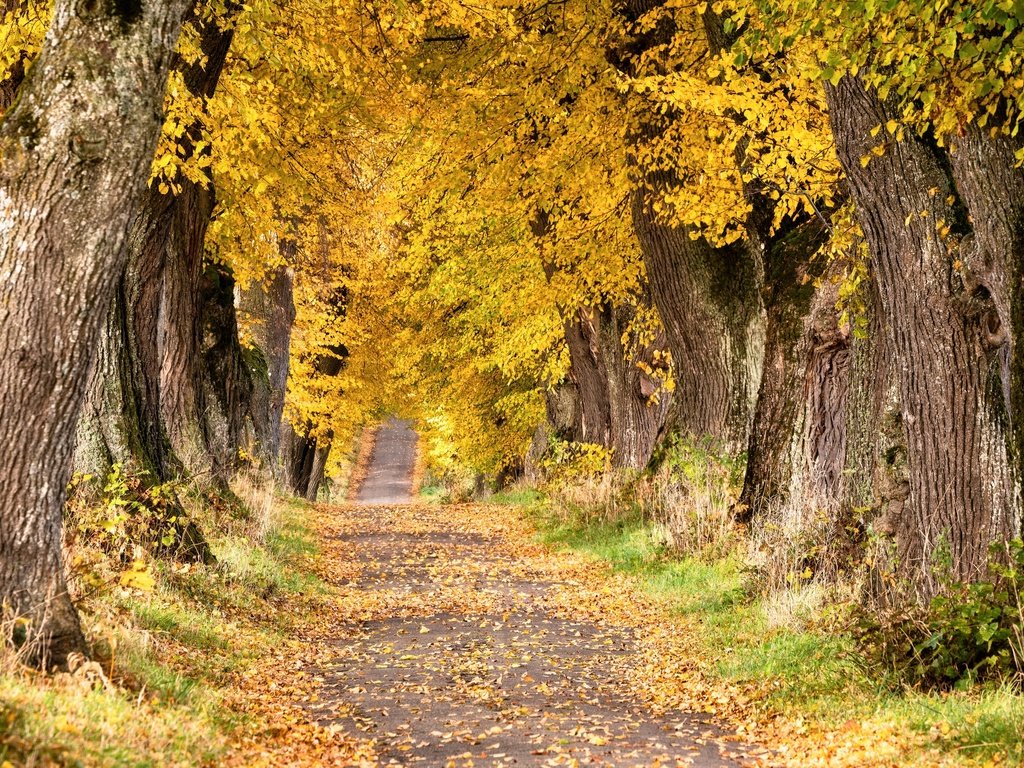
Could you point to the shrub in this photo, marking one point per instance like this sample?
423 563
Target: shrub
967 633
127 511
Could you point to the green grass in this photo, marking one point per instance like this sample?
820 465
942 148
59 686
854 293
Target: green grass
801 671
433 493
518 496
170 653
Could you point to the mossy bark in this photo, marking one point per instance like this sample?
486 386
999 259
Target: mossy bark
616 402
75 153
949 423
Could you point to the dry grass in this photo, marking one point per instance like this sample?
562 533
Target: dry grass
164 658
257 495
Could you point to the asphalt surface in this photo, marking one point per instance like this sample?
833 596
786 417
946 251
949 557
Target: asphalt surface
389 480
471 660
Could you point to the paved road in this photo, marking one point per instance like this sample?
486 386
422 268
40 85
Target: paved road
392 462
473 652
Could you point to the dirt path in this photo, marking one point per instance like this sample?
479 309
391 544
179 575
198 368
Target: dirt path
475 651
389 478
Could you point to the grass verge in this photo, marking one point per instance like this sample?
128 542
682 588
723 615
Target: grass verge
183 666
789 653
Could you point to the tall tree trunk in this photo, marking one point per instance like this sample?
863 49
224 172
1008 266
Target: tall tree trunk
991 186
75 151
158 298
797 449
616 403
180 334
305 461
708 300
304 454
227 381
269 311
949 408
707 296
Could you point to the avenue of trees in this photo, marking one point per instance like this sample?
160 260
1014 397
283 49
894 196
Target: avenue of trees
232 234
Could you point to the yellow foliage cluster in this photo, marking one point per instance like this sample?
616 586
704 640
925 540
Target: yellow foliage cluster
460 178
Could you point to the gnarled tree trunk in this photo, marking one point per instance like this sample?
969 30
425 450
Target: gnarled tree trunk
948 413
707 296
708 300
269 311
797 448
615 400
75 152
148 393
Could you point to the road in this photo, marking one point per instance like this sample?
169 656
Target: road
465 643
389 480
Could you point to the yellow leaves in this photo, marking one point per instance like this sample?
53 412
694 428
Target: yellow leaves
876 151
138 577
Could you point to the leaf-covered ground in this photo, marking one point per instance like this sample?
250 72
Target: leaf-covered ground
431 635
456 638
473 649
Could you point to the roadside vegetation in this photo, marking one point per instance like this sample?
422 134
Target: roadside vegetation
173 641
947 675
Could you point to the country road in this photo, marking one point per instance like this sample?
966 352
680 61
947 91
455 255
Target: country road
476 648
389 480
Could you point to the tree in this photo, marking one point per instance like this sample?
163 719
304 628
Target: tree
75 150
946 335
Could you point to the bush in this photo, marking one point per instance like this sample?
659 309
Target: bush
692 493
126 511
967 633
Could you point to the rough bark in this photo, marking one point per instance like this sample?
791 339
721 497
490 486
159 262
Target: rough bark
797 449
615 403
155 333
708 300
180 332
707 296
75 150
948 416
227 381
991 186
269 310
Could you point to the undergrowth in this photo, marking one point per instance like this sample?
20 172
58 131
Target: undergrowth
168 640
809 664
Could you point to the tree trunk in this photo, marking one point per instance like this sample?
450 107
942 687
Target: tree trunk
305 459
991 186
157 299
948 414
707 296
305 455
797 449
708 300
269 311
616 403
75 151
180 334
227 382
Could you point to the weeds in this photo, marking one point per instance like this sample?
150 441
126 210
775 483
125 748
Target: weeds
165 650
967 633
